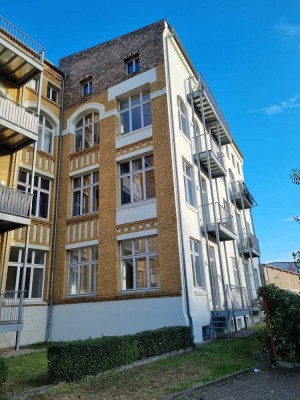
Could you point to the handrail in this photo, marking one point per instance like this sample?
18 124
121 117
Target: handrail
239 188
15 202
223 216
212 145
11 306
19 105
249 240
20 38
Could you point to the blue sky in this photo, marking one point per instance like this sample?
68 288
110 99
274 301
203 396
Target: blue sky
249 52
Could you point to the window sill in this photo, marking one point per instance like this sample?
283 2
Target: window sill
199 292
138 291
83 295
83 151
33 302
188 139
193 208
79 217
136 204
133 137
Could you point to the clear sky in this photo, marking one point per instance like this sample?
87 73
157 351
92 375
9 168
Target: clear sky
249 52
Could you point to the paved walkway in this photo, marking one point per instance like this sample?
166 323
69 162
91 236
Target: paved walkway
271 384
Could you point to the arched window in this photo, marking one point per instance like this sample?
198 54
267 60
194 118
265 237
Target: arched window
46 132
87 131
182 117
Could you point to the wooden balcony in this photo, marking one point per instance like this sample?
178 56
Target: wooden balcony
14 209
21 58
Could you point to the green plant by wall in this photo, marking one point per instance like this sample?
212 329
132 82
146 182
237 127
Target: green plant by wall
70 361
283 324
3 377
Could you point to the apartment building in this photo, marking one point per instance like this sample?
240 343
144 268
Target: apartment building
140 215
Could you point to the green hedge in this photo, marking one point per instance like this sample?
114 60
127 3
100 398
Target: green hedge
70 361
284 323
3 371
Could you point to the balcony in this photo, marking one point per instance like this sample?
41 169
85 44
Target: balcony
21 58
241 196
223 223
199 91
210 154
18 125
14 209
11 311
237 297
249 245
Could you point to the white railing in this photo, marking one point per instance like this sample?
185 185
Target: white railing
201 144
14 201
18 115
20 38
11 306
236 296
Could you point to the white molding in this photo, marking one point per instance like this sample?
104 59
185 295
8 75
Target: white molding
82 244
133 235
132 137
47 112
81 171
37 170
30 246
133 83
134 153
158 93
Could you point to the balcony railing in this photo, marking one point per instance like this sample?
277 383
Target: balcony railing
223 217
19 38
248 240
236 297
18 115
207 143
14 202
11 306
241 194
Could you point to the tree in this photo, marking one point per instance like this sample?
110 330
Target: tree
295 176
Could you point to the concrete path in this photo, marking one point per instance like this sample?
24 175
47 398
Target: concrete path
271 384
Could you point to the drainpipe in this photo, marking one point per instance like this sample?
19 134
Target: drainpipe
50 307
179 219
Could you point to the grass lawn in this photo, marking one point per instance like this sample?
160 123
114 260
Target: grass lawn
153 381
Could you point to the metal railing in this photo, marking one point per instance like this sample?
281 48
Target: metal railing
15 35
239 189
18 115
11 306
248 240
236 296
212 145
15 202
223 217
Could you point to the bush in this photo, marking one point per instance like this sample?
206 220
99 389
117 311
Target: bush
70 361
284 323
3 371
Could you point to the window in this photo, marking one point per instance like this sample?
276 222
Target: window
83 271
52 93
46 132
233 159
139 264
41 193
33 84
188 183
235 272
256 278
34 280
238 168
182 117
132 65
227 151
85 194
198 276
86 87
135 112
87 131
137 180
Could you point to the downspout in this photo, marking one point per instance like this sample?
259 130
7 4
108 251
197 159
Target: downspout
173 150
54 241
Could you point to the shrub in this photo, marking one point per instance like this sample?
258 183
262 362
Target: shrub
3 371
284 324
70 361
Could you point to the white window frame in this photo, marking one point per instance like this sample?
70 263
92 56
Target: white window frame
134 257
37 190
92 289
29 266
52 93
87 87
131 107
95 130
188 178
135 65
183 118
42 129
195 251
92 186
235 271
131 175
33 84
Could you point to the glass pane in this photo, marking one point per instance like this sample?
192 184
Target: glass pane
14 254
196 270
73 279
88 119
125 190
96 133
153 246
84 279
141 273
136 118
37 283
85 254
147 114
95 116
48 125
137 65
125 125
86 200
154 271
149 161
137 164
137 187
150 184
79 123
22 176
130 67
11 278
39 257
189 192
135 100
74 256
76 204
124 104
29 256
94 277
87 180
124 168
34 210
94 253
44 201
36 181
40 137
140 246
146 95
95 198
88 136
126 247
47 141
45 184
27 282
76 183
96 177
78 139
127 268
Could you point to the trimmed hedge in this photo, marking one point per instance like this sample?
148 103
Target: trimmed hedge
71 361
3 371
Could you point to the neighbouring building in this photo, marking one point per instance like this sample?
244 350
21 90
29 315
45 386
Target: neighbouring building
282 276
123 188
